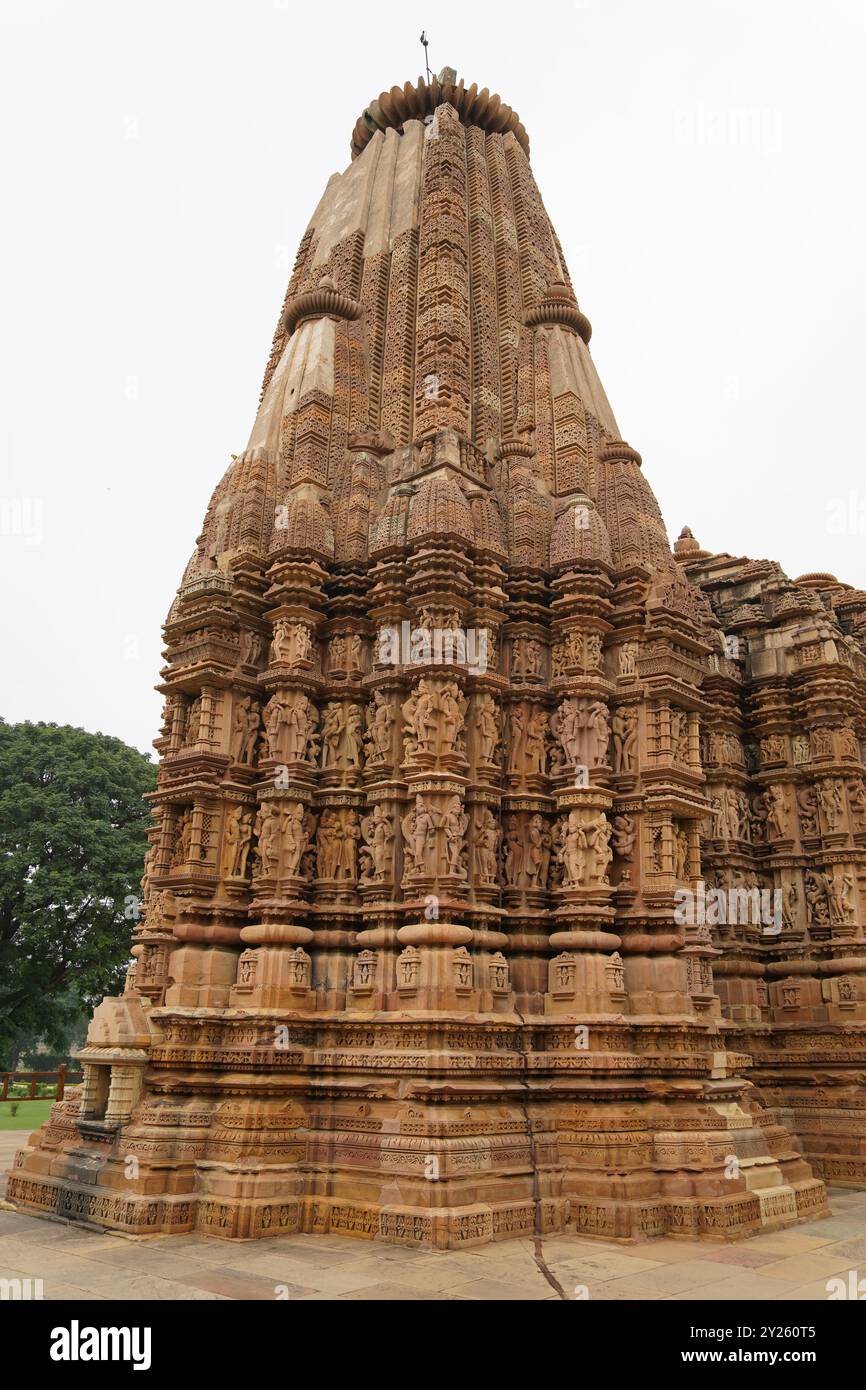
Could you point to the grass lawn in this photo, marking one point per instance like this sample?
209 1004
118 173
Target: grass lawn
30 1114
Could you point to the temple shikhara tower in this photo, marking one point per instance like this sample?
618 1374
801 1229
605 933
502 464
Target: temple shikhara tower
508 866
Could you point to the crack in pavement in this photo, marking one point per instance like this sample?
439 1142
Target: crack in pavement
538 1247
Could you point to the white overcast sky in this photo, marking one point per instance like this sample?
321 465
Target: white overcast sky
704 166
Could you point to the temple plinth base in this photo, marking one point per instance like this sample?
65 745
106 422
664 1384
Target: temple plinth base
438 1132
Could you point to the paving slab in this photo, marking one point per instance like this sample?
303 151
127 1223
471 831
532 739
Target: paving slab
77 1263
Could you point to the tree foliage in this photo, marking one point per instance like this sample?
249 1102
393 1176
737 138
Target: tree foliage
73 823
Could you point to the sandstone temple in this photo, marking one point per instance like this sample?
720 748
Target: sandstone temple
508 867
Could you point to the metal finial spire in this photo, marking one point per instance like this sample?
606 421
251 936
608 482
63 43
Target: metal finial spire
425 41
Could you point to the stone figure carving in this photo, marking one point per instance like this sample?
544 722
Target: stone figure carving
807 803
582 730
598 728
759 829
556 871
267 831
725 749
773 749
564 654
537 852
353 737
356 654
328 845
584 850
383 649
453 823
624 836
566 730
439 619
419 831
848 896
830 799
169 709
857 802
294 837
527 752
657 849
433 720
732 819
518 721
337 655
193 722
628 653
535 743
251 648
801 748
778 810
572 852
592 651
822 743
681 853
487 728
485 840
790 907
332 728
246 721
624 728
307 867
848 745
292 643
237 839
526 655
680 735
341 738
816 899
377 852
380 729
840 897
290 724
577 651
337 845
598 833
183 836
514 853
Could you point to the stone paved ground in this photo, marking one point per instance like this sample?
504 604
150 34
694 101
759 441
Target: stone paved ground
80 1264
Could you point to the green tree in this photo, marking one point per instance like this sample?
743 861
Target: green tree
73 823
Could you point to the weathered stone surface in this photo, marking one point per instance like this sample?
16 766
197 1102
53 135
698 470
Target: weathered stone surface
459 762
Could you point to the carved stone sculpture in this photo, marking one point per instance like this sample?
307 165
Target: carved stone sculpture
377 851
380 725
246 721
485 840
624 728
237 840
